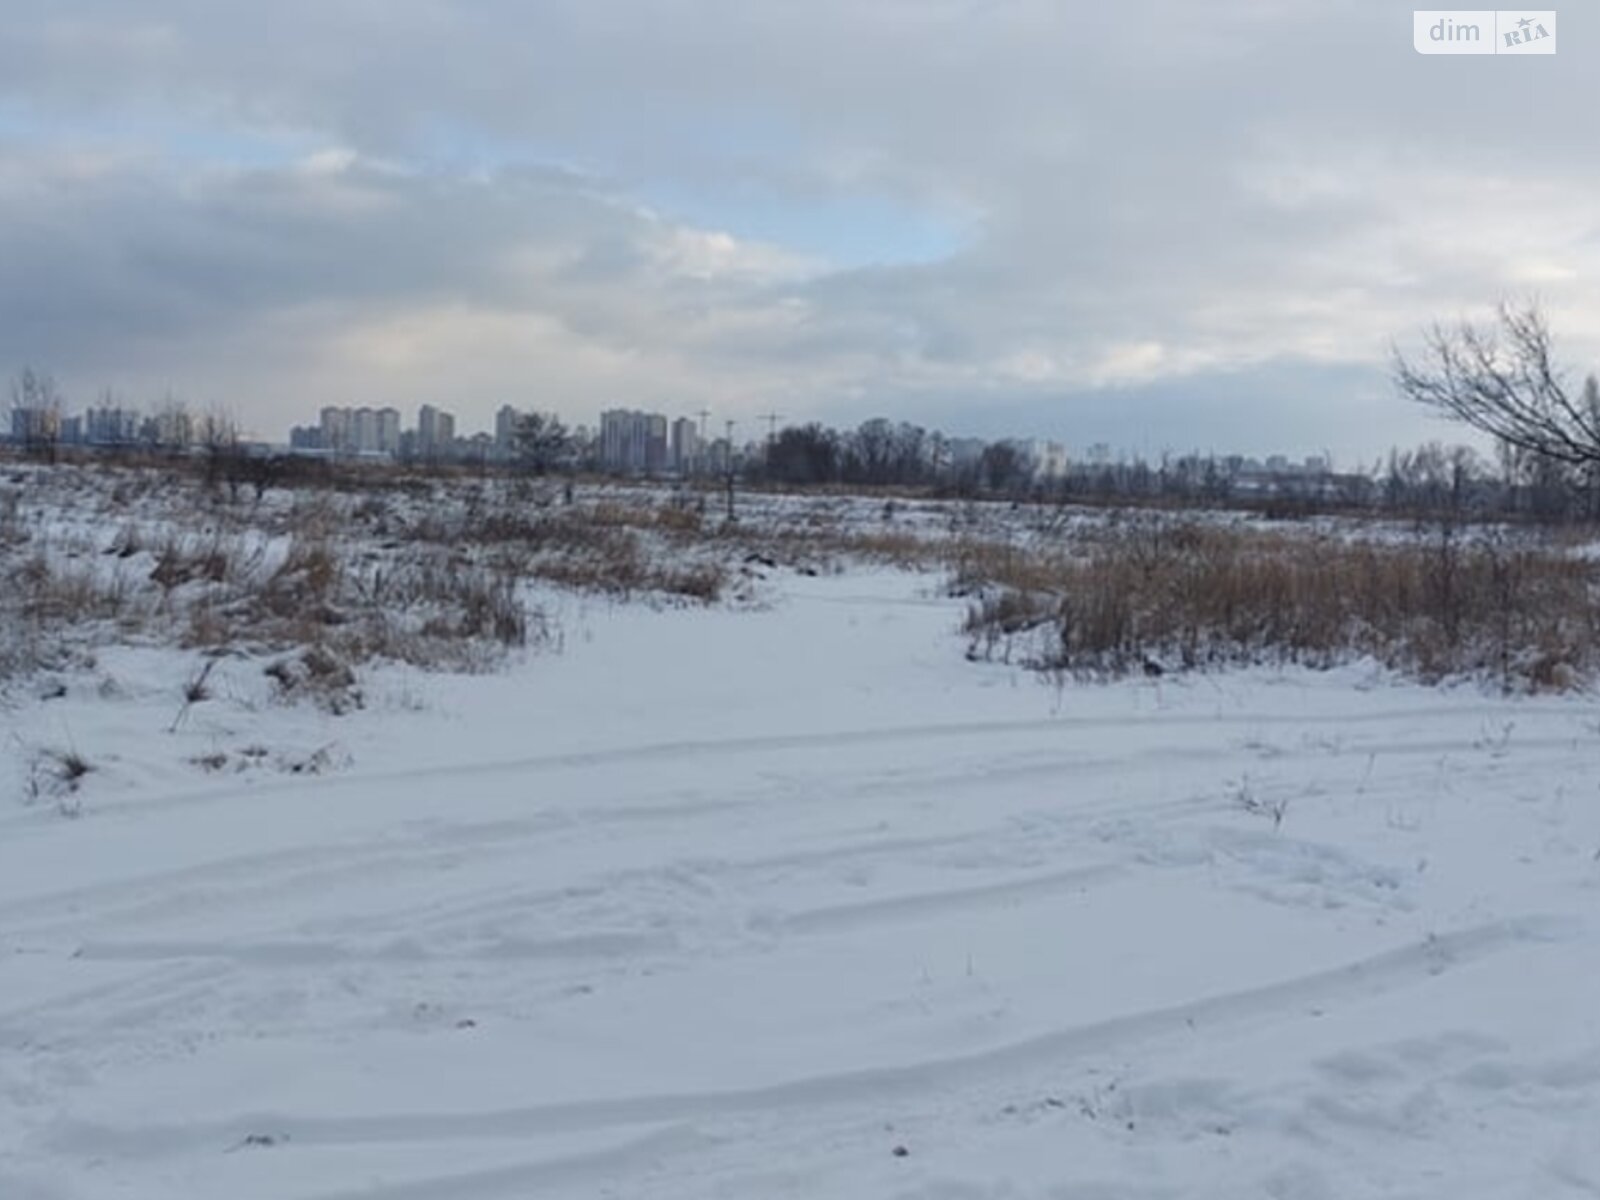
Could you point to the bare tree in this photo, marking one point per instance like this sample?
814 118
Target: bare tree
36 412
218 436
171 428
1004 468
541 442
874 449
1503 380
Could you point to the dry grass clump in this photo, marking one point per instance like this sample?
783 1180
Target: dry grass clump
54 588
317 673
47 591
424 605
619 547
56 775
976 564
816 542
1163 596
442 609
182 560
12 530
625 568
891 548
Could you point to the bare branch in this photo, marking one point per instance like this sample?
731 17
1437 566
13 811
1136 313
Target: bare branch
1504 381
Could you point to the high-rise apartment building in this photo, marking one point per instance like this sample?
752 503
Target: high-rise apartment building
364 431
111 427
505 429
389 431
436 431
685 446
633 441
335 425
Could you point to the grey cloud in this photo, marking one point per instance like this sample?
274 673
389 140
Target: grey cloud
1156 200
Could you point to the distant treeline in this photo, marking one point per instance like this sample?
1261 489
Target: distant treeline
1434 479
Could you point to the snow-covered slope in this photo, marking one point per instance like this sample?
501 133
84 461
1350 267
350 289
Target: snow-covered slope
797 902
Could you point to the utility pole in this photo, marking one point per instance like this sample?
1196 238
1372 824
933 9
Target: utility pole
730 424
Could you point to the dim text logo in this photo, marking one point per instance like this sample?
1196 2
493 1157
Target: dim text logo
1484 31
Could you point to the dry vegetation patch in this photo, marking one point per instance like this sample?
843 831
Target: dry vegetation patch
319 579
1159 595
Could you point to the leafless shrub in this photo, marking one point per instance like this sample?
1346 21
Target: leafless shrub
71 767
55 775
1196 596
196 691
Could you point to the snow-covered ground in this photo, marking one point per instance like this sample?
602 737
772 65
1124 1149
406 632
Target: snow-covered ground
795 901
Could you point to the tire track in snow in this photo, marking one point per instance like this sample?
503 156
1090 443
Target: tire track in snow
927 904
143 990
1406 966
562 1171
492 948
195 969
301 868
700 748
400 951
245 878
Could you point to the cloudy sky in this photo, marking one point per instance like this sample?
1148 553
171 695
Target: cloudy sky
1155 223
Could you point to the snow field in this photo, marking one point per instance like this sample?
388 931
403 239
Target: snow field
797 902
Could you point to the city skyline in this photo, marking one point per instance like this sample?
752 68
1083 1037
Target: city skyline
1073 222
366 430
624 442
